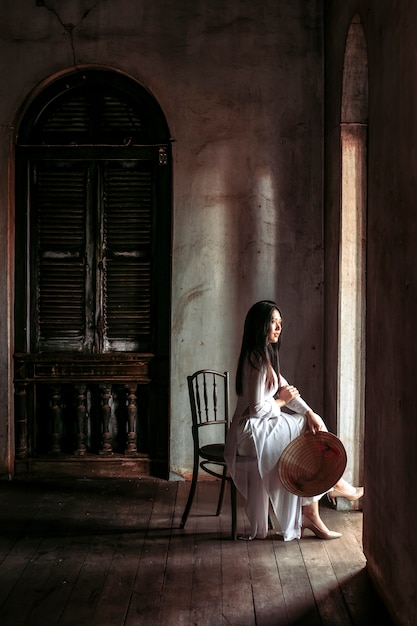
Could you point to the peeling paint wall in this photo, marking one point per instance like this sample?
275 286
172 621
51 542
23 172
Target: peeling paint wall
240 84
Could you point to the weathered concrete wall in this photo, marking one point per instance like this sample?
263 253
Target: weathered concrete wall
390 509
240 84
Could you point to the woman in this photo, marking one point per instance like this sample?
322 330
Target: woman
261 429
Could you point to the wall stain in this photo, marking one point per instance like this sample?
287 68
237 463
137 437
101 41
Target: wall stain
183 303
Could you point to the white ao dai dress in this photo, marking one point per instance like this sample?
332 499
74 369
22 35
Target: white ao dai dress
260 431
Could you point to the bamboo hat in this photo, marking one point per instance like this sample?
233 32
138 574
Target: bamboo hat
312 463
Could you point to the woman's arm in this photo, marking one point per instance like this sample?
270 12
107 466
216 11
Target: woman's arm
290 396
315 422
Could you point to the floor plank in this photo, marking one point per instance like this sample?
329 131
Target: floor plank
268 596
46 530
147 590
110 552
113 603
327 594
298 594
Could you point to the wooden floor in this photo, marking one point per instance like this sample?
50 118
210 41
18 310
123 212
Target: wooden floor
110 552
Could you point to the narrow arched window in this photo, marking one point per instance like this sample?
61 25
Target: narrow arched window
352 249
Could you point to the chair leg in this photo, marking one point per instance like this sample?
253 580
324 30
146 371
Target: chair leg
190 495
233 499
222 490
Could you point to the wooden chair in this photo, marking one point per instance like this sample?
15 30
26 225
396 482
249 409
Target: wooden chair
209 401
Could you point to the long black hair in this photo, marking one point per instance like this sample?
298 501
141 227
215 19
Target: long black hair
255 344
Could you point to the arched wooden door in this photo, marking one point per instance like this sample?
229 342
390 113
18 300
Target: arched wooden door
92 318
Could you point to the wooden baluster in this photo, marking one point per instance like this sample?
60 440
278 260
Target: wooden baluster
56 419
106 448
21 421
81 412
132 413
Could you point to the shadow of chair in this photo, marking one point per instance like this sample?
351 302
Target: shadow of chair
209 402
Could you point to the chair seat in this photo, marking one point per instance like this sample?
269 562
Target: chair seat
213 452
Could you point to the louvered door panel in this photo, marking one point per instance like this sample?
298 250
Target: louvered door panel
60 199
119 116
71 117
127 206
94 118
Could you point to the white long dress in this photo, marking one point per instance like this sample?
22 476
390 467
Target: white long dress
259 432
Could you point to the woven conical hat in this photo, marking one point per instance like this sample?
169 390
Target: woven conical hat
312 463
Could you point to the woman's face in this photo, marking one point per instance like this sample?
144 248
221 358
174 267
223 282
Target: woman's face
275 327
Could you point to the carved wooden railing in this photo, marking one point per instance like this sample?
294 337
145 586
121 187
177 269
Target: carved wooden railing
48 374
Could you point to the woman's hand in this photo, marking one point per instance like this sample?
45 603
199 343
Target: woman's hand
286 394
315 423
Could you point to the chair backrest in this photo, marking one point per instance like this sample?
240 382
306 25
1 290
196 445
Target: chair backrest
209 401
